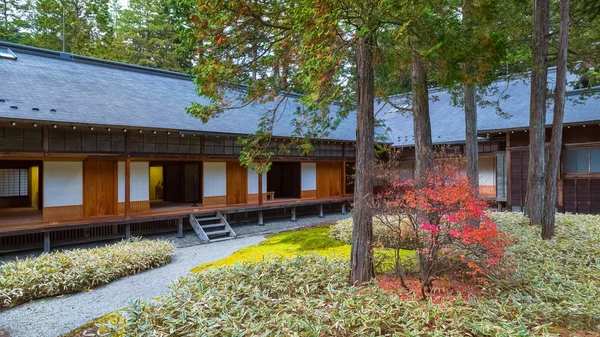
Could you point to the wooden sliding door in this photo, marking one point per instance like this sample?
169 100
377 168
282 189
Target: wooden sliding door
237 183
329 179
99 187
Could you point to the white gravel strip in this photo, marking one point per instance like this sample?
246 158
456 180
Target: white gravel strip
54 316
276 226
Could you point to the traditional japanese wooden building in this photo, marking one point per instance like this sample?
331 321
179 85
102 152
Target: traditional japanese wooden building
504 139
93 149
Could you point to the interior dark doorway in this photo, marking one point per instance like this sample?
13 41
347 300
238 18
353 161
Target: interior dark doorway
284 180
174 183
20 190
350 173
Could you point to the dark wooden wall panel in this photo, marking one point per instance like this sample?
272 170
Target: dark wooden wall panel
581 195
518 178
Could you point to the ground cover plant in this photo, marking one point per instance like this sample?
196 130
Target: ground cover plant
78 270
541 288
316 240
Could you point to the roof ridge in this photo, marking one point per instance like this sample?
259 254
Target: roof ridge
71 57
65 56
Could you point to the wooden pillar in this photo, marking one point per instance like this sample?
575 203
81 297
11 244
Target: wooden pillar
320 210
344 208
260 218
343 194
127 231
45 138
293 213
46 242
260 191
180 228
127 188
508 172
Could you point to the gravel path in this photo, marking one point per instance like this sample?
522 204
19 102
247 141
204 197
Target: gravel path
281 226
54 316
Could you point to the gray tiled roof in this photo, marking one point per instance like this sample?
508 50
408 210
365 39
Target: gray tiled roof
447 120
105 95
89 92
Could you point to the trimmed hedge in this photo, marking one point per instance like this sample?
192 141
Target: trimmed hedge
78 270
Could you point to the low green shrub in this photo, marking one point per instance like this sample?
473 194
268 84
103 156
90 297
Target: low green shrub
554 280
543 287
383 232
77 270
301 296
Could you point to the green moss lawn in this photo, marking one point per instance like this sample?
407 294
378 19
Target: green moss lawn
316 240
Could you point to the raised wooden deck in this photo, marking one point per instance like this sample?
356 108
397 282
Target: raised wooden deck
31 222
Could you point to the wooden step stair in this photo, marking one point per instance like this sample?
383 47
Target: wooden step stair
211 227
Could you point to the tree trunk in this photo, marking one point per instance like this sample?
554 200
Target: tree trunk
557 124
421 120
362 231
534 198
423 146
471 147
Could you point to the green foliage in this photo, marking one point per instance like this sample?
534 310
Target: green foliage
89 26
303 296
147 35
554 280
383 235
13 21
548 284
78 270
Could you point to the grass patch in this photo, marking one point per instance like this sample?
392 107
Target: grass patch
287 244
315 240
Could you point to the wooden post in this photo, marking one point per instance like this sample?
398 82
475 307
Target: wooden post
260 191
508 173
47 242
45 139
344 208
127 231
343 194
260 218
320 210
294 214
127 188
180 228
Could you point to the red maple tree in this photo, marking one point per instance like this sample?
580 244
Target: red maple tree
448 221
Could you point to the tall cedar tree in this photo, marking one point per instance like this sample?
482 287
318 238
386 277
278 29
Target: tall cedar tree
89 26
551 192
327 50
148 36
14 26
534 199
471 144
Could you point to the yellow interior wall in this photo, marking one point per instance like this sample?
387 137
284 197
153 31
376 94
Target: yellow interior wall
34 188
156 176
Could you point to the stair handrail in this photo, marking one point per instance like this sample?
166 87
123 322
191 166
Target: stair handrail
198 229
231 232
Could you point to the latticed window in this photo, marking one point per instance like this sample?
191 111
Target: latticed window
582 161
13 182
